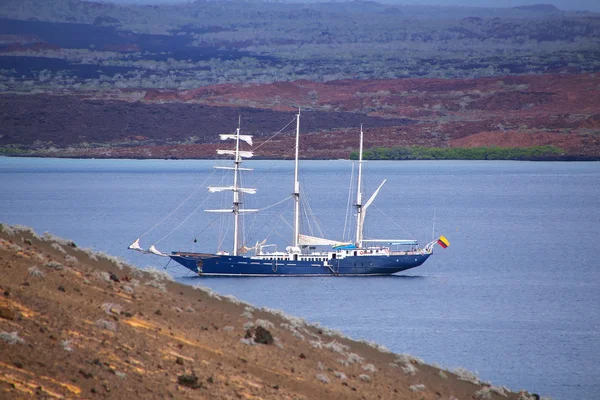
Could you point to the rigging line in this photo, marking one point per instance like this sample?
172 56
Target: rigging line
184 221
276 204
206 227
287 223
392 221
311 215
277 133
274 225
348 202
222 239
266 208
179 206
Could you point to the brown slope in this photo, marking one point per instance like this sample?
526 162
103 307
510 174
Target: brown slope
78 324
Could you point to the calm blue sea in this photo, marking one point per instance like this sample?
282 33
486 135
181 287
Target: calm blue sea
515 297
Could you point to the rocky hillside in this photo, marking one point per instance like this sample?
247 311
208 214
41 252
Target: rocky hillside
79 324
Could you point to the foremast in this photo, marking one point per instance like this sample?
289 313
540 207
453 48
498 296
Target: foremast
238 155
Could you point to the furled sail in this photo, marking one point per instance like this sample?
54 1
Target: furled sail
153 250
305 240
243 154
230 210
245 138
233 168
214 189
136 246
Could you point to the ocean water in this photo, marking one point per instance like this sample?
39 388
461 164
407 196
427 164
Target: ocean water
515 297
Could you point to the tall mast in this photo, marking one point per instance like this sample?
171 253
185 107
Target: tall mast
296 193
359 208
236 194
238 156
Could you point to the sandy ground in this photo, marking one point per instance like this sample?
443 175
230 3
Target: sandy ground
79 324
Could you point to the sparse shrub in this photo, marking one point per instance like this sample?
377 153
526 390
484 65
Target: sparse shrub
483 394
416 388
159 285
294 321
322 378
58 247
442 374
316 344
111 308
336 346
466 375
364 378
228 328
11 338
105 276
247 341
66 345
369 368
156 274
409 369
108 325
35 272
298 335
340 375
354 358
278 342
500 390
211 293
70 259
376 346
264 323
55 265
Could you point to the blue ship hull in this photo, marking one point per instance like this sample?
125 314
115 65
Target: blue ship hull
226 265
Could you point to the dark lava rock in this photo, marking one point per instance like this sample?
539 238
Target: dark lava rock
190 381
7 313
261 335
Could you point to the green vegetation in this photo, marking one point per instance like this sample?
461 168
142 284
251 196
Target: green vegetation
474 153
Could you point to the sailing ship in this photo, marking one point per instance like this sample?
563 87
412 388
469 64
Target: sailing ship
362 257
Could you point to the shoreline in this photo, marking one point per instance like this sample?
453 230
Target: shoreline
79 323
566 158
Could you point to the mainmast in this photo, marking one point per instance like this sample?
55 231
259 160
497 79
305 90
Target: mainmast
238 155
296 193
359 208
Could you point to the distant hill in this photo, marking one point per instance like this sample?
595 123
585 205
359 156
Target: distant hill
539 8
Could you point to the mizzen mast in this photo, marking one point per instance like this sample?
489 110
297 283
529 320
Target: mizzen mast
360 208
